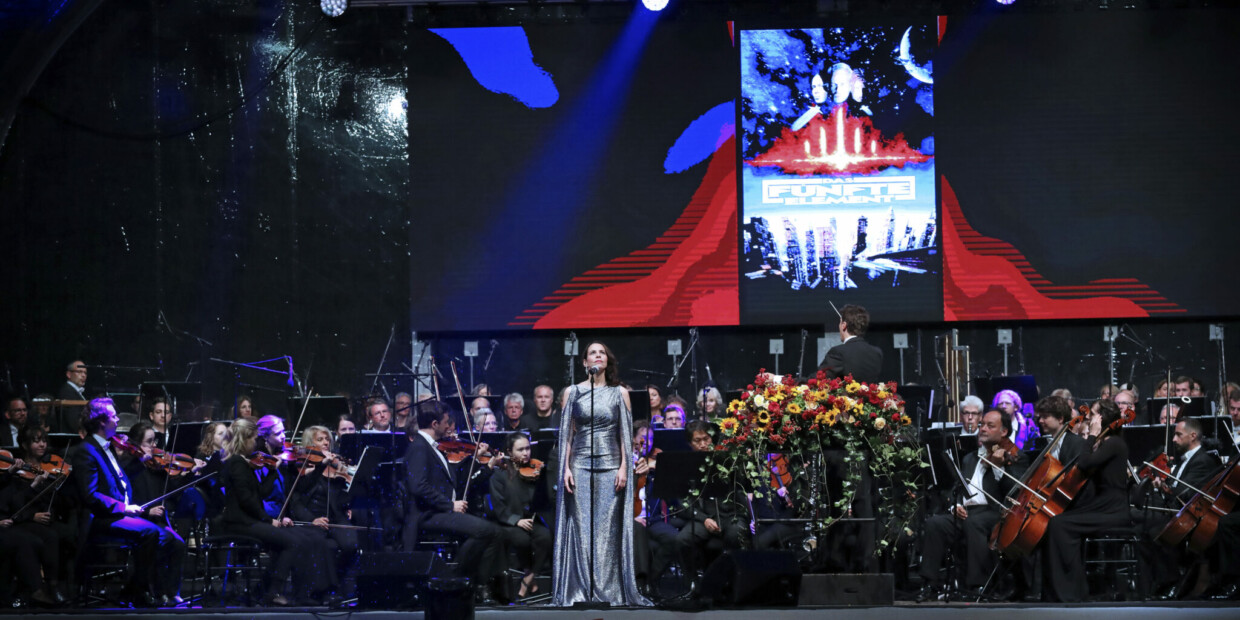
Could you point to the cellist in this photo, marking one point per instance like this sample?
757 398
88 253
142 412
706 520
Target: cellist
977 514
1193 467
1103 507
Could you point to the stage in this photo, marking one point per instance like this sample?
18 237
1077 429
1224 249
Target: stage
906 611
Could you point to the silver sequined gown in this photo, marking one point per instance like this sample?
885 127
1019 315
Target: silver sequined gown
595 532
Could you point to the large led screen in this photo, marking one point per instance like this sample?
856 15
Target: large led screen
838 172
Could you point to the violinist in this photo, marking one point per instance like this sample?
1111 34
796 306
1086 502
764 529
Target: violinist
247 484
320 497
159 416
27 502
15 416
989 473
435 504
207 497
657 523
1193 468
512 504
111 510
1103 507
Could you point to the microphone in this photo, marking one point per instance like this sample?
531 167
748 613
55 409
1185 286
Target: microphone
594 370
290 370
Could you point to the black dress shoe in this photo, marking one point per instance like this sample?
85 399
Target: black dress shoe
483 598
1229 592
1170 594
928 593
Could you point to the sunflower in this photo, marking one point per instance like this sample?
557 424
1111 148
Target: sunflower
830 417
793 408
735 406
728 426
764 417
853 387
905 420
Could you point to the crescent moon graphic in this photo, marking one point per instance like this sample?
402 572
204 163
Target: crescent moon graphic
921 74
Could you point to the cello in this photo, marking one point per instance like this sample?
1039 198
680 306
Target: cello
1204 505
1017 534
1050 499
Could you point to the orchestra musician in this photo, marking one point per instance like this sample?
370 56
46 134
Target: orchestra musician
854 356
989 474
111 511
657 522
512 505
1052 413
1101 507
247 481
715 523
37 509
435 506
319 497
1194 466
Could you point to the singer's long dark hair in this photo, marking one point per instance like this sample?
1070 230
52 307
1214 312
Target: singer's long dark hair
612 372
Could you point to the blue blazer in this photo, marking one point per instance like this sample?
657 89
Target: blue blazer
103 495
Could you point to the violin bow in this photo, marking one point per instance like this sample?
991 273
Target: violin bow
469 427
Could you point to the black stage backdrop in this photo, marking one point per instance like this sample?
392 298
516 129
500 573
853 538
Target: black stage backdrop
143 220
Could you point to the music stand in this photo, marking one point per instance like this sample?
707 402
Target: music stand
320 411
1192 407
679 472
918 404
60 443
937 441
671 440
353 444
365 469
1144 441
185 395
543 443
188 436
641 404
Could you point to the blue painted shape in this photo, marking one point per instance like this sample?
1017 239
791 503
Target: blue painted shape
502 62
701 138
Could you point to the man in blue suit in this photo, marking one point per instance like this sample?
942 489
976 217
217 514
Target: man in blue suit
109 511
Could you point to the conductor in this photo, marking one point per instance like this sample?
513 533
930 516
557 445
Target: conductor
854 356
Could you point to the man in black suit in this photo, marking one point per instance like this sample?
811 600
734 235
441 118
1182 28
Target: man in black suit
65 419
1192 468
975 516
854 356
435 504
106 492
15 415
1052 413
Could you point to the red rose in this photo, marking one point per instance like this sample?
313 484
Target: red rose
745 395
812 383
873 415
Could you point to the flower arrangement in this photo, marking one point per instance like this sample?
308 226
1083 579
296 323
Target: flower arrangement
802 421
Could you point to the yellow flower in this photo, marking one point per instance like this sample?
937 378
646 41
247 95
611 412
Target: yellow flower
883 394
794 408
905 420
853 387
764 417
831 417
728 426
735 406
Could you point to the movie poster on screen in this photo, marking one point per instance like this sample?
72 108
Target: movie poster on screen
837 172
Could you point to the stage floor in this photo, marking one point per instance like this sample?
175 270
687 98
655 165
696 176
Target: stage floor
906 611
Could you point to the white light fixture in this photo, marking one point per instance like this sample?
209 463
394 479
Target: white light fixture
655 5
333 8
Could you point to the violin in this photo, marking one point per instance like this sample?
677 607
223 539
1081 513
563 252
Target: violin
173 464
1147 472
457 451
333 465
1011 453
639 485
259 460
530 471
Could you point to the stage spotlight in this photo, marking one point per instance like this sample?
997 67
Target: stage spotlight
333 8
1005 2
655 5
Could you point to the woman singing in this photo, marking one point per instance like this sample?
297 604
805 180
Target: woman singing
594 529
